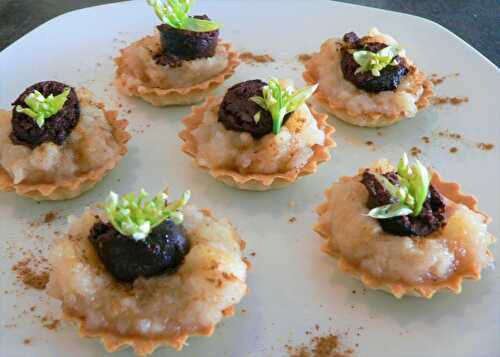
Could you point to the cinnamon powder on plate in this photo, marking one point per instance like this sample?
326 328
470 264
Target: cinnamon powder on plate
304 57
485 146
32 271
249 57
449 100
320 346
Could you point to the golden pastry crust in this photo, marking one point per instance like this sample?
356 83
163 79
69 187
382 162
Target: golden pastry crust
256 182
127 83
213 271
426 288
373 118
141 346
70 188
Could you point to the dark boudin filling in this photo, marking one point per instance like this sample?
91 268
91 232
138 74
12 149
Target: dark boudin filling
185 45
431 218
56 129
390 76
238 113
162 251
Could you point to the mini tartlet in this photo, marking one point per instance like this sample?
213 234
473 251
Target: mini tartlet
58 142
179 65
384 228
367 81
147 273
259 136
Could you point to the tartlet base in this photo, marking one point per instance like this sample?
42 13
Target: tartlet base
256 182
366 119
161 97
144 346
74 187
427 289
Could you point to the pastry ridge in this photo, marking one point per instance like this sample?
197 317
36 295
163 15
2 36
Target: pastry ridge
452 191
257 182
71 188
367 119
144 346
175 96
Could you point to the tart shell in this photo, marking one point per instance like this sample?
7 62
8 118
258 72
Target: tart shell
174 96
256 182
367 119
451 191
71 188
144 346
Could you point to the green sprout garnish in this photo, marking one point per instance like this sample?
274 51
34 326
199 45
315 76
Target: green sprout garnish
414 182
376 61
175 14
41 108
256 117
132 216
280 100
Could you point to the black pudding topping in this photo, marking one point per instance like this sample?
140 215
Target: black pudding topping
185 45
237 111
126 259
390 77
25 131
431 218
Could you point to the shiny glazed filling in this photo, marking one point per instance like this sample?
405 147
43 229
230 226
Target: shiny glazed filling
344 95
290 149
89 146
210 280
141 67
361 240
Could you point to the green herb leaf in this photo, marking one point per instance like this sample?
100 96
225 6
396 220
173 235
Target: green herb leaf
393 189
403 166
256 117
376 61
175 13
414 183
279 100
41 108
390 211
135 217
419 184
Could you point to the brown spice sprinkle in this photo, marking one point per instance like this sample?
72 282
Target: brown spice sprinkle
437 80
292 220
485 146
426 139
415 151
33 272
50 217
304 57
249 57
449 100
453 150
320 346
27 341
450 135
50 323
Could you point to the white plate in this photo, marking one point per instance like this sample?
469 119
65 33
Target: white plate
293 286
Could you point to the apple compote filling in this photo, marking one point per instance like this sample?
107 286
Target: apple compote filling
67 152
362 241
358 95
210 279
238 134
142 66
